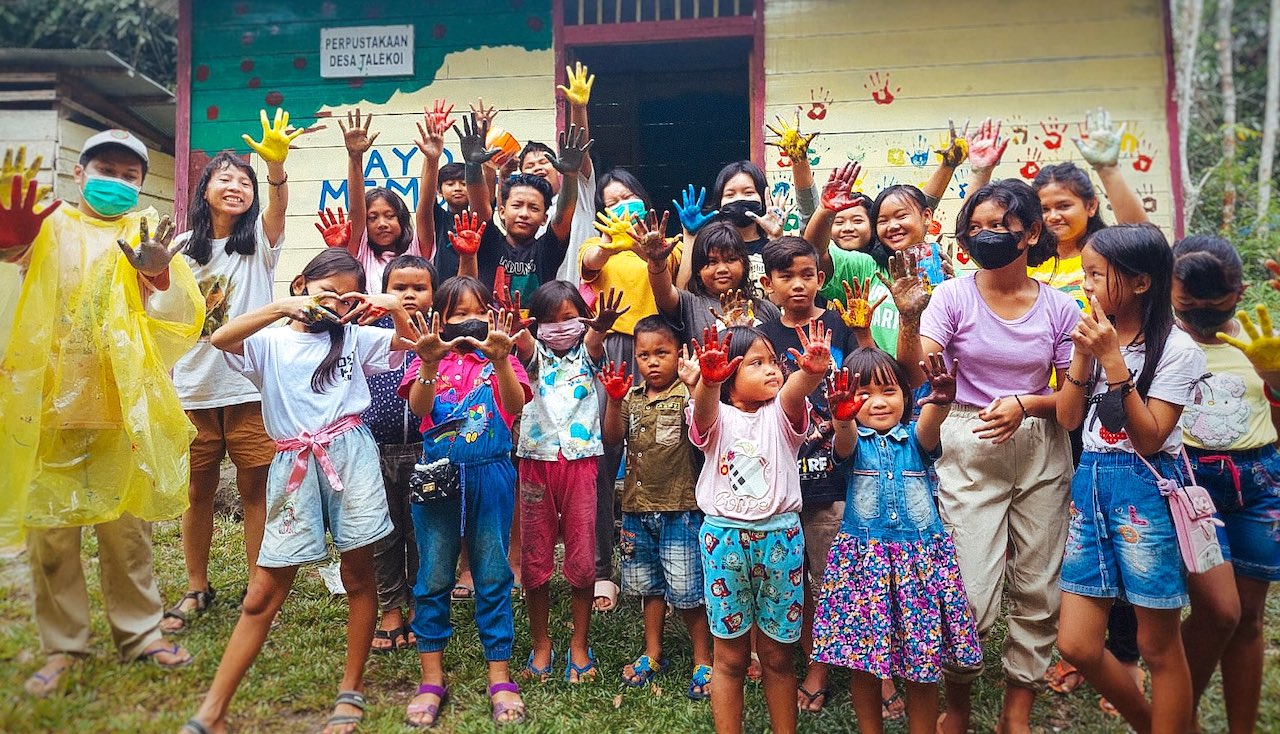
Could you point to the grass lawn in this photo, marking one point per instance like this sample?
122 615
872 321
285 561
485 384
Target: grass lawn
292 684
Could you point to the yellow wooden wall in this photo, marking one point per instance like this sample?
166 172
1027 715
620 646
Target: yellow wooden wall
1037 65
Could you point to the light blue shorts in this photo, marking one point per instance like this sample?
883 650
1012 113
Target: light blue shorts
660 556
754 578
354 517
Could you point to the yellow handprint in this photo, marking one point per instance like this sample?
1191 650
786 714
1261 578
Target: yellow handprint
790 140
579 90
617 229
857 310
15 165
1263 348
955 147
276 138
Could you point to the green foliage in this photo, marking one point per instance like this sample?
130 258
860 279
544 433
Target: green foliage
135 31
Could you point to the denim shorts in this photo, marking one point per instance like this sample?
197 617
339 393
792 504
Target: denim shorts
1121 541
754 577
354 516
1245 486
660 556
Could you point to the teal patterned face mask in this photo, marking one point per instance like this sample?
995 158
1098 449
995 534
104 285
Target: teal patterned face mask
628 209
109 197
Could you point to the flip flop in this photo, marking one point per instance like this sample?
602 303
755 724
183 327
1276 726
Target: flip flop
607 590
698 683
1065 678
584 672
462 592
643 669
886 705
195 727
431 709
350 698
41 685
533 672
502 708
175 649
810 697
391 635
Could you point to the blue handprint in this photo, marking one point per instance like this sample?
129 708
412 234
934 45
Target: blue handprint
691 215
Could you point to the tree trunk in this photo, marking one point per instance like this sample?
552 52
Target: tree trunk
1227 83
1271 118
1186 40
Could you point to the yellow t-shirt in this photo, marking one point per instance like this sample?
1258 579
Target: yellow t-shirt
1229 411
1064 274
628 272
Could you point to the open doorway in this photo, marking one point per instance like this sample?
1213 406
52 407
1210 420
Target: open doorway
672 113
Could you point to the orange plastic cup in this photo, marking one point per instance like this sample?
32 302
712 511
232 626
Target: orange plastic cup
503 140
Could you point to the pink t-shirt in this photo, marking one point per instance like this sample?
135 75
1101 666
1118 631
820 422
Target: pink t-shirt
458 375
999 358
374 264
751 472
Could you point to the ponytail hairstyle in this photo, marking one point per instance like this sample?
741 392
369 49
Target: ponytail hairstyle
1021 204
330 261
243 239
403 217
1208 266
914 197
1141 249
1072 178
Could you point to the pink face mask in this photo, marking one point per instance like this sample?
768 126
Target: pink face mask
561 335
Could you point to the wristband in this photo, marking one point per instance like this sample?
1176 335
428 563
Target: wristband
279 183
1085 384
1272 396
1025 414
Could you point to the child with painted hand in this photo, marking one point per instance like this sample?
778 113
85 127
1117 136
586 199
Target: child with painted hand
750 423
1130 377
559 442
1230 433
660 517
740 195
469 389
892 562
313 376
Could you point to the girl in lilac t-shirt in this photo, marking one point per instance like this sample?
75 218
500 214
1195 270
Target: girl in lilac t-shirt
1005 468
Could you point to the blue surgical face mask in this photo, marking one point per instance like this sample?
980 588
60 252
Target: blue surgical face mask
627 209
109 197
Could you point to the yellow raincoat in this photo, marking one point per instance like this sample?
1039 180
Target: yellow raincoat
92 427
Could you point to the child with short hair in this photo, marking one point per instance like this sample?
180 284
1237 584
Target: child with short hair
751 424
452 188
660 515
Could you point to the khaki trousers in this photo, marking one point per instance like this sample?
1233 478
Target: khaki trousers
129 590
1006 509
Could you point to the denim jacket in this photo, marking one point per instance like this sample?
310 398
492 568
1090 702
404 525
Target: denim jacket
888 495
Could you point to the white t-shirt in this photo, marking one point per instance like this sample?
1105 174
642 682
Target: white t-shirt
1181 366
281 361
231 285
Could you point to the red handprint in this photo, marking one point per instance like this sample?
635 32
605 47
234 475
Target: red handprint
467 234
335 229
838 193
713 357
844 403
1032 166
19 224
1053 130
1142 163
439 114
818 103
880 88
616 380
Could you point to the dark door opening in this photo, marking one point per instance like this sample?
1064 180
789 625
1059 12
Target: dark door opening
671 113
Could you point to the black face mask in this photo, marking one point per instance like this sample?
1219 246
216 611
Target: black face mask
477 329
994 250
736 211
1205 320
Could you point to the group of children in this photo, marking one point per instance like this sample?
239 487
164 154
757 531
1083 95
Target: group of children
834 439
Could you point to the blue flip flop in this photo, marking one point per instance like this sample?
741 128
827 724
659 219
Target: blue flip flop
643 670
584 671
533 672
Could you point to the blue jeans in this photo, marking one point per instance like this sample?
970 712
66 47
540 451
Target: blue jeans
490 490
1245 486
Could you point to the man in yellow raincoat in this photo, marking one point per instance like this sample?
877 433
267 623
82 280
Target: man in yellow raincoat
93 434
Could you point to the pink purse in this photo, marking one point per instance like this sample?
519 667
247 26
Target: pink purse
1193 518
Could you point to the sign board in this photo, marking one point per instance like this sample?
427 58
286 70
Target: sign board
363 51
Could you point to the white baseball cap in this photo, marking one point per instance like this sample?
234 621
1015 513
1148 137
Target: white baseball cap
122 138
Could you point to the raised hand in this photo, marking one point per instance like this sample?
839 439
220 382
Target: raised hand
816 345
308 309
573 148
617 229
687 367
498 344
467 232
431 136
956 149
910 291
690 212
736 309
790 140
368 308
616 379
842 395
480 112
427 343
355 133
606 313
504 303
1263 348
985 146
20 223
471 139
713 359
154 253
838 193
1100 145
857 310
336 230
439 114
15 164
650 238
1094 334
276 137
942 383
578 93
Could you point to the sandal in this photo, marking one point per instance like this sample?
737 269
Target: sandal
698 683
584 672
350 698
643 669
1109 709
605 596
462 592
754 671
1063 678
502 708
392 635
174 649
810 698
886 704
533 672
41 684
203 599
195 726
430 709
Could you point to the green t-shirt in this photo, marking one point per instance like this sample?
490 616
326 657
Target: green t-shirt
852 265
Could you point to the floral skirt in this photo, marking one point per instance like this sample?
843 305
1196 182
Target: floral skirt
894 609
